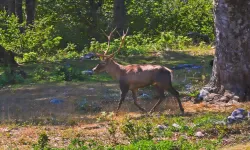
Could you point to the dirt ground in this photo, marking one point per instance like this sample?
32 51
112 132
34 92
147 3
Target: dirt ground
32 103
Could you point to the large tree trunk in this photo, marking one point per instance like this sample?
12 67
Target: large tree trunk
30 11
119 15
231 70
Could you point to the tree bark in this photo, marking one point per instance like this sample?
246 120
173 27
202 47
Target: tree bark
7 57
19 10
231 69
94 6
11 7
119 15
4 5
30 11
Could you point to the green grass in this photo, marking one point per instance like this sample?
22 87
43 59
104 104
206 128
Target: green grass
171 138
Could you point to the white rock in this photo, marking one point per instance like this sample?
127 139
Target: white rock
176 125
199 134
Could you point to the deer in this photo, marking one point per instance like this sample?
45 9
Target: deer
134 76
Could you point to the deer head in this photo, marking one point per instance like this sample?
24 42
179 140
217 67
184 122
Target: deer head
106 60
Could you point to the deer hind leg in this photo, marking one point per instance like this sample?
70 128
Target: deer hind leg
134 94
176 94
162 97
163 80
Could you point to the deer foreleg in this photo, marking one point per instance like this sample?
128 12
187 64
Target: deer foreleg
162 97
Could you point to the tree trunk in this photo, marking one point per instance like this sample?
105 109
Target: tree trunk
4 5
11 7
119 15
19 13
30 11
231 69
7 57
19 10
94 6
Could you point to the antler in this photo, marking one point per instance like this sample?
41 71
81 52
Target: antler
122 42
109 38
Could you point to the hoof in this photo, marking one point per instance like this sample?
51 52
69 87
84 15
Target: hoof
182 113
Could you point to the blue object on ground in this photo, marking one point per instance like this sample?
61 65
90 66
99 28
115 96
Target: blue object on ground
56 101
88 72
89 55
237 115
186 66
145 96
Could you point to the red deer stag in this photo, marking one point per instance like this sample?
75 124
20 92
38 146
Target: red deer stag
135 76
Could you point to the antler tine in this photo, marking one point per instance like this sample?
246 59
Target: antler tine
122 42
109 38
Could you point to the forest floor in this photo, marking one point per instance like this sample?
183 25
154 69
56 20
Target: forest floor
28 110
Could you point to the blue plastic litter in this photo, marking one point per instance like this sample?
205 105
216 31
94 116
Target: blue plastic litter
186 66
88 72
89 56
145 96
56 101
237 115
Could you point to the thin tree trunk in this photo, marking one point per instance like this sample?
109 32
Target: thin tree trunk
4 5
19 10
11 7
119 15
94 6
231 70
30 11
19 13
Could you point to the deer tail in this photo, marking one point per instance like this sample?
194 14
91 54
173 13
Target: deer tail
171 73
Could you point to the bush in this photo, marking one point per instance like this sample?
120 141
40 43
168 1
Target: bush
40 37
10 76
42 142
30 57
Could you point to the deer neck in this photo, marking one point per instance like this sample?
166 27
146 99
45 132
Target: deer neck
114 69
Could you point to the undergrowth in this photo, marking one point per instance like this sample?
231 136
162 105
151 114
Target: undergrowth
145 133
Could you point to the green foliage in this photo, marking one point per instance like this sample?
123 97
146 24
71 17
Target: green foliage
178 16
30 57
170 41
42 143
40 73
77 144
62 72
38 38
10 76
64 28
136 131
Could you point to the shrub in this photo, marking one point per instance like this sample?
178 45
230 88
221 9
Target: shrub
42 142
10 76
30 57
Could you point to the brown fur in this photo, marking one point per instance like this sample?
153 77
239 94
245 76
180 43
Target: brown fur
132 77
